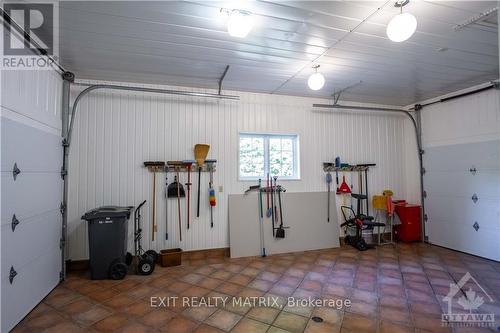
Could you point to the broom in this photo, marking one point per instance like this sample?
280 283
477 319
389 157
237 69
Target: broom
200 154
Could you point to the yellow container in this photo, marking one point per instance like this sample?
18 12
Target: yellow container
379 202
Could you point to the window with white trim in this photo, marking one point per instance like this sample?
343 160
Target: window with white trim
262 154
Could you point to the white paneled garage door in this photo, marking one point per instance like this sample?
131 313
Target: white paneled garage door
30 201
463 197
462 179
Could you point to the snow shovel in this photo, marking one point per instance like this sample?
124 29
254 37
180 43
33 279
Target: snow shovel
329 182
188 164
154 167
200 154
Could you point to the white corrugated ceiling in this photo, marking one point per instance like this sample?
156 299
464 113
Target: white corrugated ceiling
186 43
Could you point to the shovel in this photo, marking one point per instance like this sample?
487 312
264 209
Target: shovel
200 154
176 190
280 232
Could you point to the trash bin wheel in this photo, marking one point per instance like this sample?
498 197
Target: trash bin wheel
117 270
153 254
129 258
146 265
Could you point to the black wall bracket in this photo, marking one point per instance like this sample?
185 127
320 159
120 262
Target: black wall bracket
14 223
12 274
15 171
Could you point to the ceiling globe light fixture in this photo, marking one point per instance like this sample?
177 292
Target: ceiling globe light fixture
402 26
316 81
240 23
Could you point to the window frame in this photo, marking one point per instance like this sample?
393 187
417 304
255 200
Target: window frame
266 136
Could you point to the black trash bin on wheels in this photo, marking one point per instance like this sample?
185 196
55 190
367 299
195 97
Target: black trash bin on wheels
108 228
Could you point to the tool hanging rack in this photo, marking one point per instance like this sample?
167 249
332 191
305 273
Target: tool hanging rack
330 167
181 167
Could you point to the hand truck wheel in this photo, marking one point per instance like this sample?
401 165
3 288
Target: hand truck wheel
146 265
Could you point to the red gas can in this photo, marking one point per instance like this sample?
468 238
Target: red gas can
410 229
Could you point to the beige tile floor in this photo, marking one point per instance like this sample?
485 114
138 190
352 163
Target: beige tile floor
392 289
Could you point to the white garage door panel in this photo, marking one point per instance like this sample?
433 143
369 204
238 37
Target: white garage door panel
43 153
34 94
461 236
452 209
437 230
40 232
482 155
450 187
34 197
482 242
30 194
463 183
31 284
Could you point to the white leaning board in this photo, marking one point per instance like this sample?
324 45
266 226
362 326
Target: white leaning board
304 212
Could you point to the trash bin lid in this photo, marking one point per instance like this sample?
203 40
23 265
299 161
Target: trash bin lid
108 211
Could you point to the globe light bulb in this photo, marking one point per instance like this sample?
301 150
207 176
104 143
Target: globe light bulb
316 81
401 27
240 23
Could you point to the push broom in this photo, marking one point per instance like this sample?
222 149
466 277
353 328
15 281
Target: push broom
200 154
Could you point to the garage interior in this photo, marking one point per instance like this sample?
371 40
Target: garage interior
250 166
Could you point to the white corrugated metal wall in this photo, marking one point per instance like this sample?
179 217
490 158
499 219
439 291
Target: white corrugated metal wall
115 132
